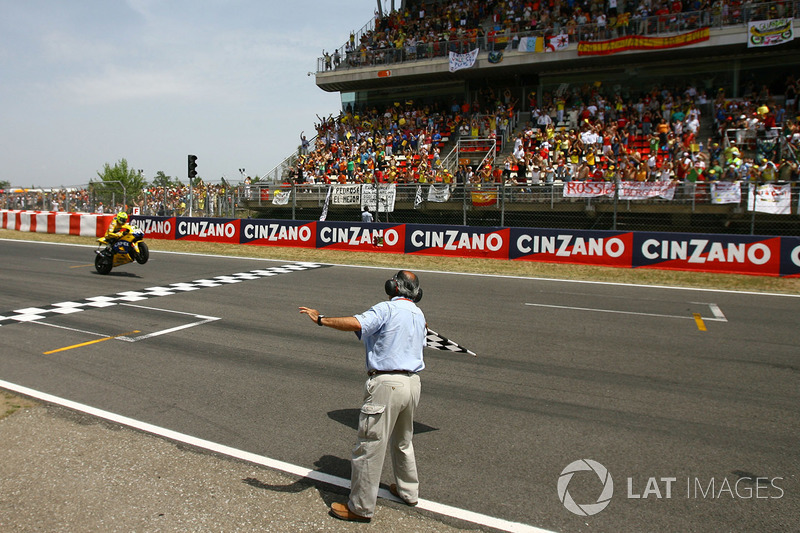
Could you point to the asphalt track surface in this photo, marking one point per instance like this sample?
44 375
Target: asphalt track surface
652 383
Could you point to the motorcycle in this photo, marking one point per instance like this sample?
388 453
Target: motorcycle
117 252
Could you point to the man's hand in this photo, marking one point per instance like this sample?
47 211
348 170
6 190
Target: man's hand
313 314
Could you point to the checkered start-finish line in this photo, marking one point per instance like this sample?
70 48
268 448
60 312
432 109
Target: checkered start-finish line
32 314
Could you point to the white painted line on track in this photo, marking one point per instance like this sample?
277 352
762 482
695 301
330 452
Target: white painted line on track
717 317
442 509
555 280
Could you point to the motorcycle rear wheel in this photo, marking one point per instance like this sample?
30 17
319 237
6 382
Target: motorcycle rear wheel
143 255
103 264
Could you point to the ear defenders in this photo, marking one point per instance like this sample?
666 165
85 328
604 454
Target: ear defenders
399 287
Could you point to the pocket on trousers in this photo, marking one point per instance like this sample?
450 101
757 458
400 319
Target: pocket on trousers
369 421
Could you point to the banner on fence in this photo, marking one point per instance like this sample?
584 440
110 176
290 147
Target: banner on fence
640 42
381 200
484 198
726 193
439 194
773 199
281 197
588 189
460 61
531 44
346 195
635 190
769 32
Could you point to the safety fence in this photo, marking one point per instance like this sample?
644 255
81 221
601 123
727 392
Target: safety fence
738 207
714 207
743 254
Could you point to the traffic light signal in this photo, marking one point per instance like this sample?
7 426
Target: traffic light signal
192 166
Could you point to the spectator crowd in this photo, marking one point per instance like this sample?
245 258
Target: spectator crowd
432 29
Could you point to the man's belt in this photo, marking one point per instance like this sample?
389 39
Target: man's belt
379 372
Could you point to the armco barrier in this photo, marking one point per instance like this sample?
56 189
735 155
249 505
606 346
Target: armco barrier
738 254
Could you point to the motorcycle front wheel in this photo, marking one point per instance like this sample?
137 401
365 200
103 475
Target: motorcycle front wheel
143 255
103 264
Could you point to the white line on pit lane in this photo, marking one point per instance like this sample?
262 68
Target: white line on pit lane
442 509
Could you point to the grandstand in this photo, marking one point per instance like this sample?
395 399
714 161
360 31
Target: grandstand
581 88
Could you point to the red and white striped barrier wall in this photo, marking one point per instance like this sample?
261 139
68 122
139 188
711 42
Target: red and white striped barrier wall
83 224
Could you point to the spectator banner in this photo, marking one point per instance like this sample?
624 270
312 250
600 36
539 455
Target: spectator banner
363 237
484 198
634 190
726 193
773 199
531 44
459 61
588 189
346 195
557 42
281 197
604 248
293 233
457 241
324 213
769 32
438 194
735 254
639 42
418 197
386 196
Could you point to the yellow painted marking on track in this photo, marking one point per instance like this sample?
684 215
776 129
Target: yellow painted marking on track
700 324
90 342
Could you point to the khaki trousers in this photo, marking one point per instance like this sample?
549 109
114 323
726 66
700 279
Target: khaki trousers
387 419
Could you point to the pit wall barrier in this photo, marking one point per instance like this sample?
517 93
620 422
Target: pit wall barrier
733 254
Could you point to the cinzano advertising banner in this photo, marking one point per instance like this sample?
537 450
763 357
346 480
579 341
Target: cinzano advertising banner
360 237
602 248
457 241
291 233
735 254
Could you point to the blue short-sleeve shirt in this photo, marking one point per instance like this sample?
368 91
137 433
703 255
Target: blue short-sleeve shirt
394 335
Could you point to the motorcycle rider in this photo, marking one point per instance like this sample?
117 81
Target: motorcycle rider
119 227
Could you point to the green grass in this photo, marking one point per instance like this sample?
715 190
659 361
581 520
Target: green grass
530 269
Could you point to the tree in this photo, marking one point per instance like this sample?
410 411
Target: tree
4 184
119 182
162 180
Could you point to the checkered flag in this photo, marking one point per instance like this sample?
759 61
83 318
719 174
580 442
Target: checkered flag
437 342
